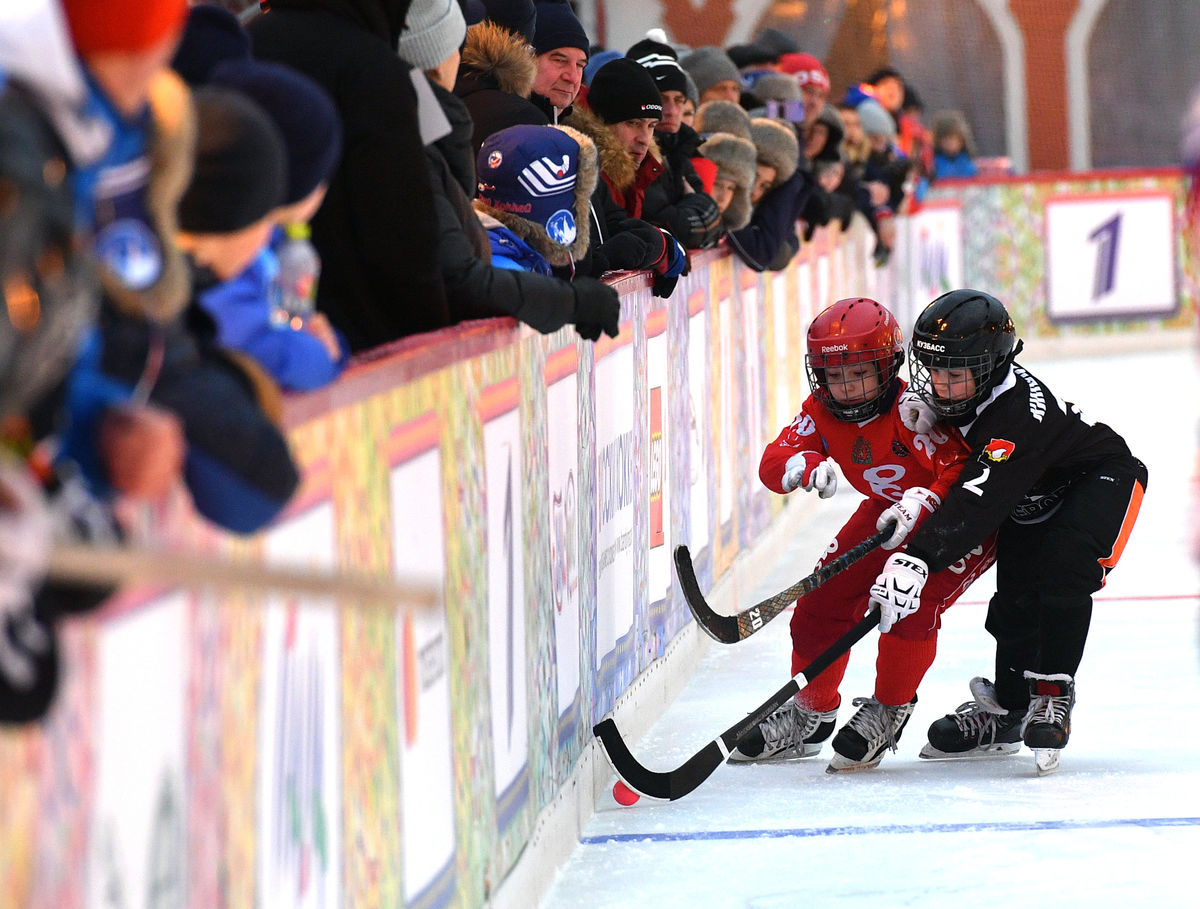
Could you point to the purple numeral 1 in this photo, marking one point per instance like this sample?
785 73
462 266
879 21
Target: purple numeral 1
1106 237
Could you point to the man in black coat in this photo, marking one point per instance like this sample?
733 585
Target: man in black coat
376 230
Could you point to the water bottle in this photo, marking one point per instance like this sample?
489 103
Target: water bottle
299 268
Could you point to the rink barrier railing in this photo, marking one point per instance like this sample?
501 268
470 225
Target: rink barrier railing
306 752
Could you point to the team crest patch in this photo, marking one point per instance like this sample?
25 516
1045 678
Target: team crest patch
561 227
899 449
495 159
998 450
861 453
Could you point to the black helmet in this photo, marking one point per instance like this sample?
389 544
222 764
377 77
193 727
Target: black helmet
962 329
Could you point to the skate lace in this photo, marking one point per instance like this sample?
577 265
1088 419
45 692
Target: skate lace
1048 708
876 722
788 725
973 719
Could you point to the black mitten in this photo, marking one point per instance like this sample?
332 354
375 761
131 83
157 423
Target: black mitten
597 308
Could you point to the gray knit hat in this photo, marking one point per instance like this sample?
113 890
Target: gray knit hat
777 146
875 119
433 30
723 117
709 65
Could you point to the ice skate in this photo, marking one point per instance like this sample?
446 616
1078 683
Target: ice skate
789 733
980 728
1047 726
860 744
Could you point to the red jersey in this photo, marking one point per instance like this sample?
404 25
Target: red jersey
879 457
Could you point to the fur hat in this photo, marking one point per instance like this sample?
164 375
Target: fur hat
953 123
874 119
722 117
736 160
555 27
538 182
623 89
709 65
777 146
433 30
776 87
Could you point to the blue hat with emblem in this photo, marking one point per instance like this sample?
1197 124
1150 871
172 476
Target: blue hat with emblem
531 171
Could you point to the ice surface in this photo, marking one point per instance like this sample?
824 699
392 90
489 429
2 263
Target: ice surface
1118 825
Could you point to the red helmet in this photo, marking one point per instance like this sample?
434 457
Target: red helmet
856 330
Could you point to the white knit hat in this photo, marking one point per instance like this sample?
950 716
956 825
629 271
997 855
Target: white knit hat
433 30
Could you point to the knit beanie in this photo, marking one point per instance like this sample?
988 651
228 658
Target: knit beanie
692 93
723 117
777 146
433 30
598 60
556 26
542 175
806 68
302 112
709 65
122 26
624 90
659 59
874 119
780 42
212 35
736 160
240 174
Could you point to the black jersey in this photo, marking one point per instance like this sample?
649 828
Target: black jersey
1027 447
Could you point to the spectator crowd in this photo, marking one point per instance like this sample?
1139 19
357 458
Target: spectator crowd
201 215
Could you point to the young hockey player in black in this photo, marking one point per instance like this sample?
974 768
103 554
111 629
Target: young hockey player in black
1063 494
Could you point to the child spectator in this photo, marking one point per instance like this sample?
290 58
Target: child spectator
301 352
953 146
736 162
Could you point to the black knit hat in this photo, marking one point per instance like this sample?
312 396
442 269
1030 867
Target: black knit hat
623 90
240 174
301 110
556 26
661 61
212 35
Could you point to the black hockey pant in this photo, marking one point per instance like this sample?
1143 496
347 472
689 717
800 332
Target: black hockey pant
1047 572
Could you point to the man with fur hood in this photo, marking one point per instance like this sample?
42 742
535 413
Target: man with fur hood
495 78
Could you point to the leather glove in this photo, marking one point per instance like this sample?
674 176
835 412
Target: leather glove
906 513
897 590
809 471
698 220
597 309
916 413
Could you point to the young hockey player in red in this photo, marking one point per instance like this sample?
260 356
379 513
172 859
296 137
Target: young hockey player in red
855 349
1059 494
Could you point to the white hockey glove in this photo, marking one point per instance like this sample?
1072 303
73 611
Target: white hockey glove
25 538
809 471
915 412
897 590
906 513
